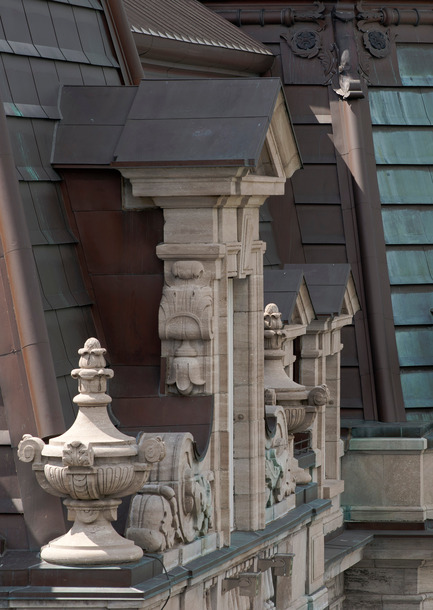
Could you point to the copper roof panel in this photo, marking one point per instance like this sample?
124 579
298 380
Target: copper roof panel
36 235
403 145
401 107
188 21
414 62
47 86
62 365
408 225
39 22
413 266
405 184
415 346
52 275
20 79
316 143
73 274
321 224
48 207
412 305
92 75
417 386
67 33
316 184
14 22
90 36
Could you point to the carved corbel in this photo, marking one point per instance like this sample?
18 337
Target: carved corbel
281 564
248 583
175 507
185 326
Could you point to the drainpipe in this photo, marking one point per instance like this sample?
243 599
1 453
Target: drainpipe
357 150
124 42
25 292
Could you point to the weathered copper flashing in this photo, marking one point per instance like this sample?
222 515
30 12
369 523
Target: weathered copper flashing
24 286
122 38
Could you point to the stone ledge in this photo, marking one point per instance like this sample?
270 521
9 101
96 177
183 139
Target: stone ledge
344 551
372 429
381 444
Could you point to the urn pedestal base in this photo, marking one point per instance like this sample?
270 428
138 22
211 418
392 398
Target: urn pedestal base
92 539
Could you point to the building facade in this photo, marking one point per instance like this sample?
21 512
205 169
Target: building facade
225 194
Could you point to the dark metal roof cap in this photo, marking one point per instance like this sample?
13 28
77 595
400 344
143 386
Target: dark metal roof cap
282 286
203 122
327 285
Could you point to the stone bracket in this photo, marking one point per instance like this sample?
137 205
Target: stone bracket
281 564
249 584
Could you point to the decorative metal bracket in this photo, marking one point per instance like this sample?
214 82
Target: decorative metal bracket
281 564
249 584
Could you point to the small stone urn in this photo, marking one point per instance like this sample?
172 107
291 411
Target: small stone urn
287 391
92 465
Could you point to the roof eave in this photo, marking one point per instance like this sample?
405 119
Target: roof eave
180 53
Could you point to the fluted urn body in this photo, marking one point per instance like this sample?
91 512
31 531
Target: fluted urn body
92 465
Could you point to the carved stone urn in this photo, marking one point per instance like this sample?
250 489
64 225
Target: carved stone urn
92 465
287 390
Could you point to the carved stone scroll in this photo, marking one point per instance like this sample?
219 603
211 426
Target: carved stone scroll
176 506
185 326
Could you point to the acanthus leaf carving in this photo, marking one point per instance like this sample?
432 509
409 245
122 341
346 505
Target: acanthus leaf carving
185 325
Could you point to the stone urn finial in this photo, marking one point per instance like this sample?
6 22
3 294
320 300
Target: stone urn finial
275 376
92 465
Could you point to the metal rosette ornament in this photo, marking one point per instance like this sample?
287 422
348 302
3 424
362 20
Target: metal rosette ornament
92 465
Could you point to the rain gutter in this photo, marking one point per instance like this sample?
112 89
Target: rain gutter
179 53
25 292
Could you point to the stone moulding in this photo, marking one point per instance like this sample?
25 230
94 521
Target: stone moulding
175 507
92 465
185 325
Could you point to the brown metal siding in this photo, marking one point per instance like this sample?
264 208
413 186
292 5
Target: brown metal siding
43 44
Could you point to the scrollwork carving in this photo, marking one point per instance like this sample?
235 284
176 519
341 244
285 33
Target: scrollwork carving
30 448
176 507
278 454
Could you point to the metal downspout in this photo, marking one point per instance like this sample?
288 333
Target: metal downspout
359 155
122 35
25 292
